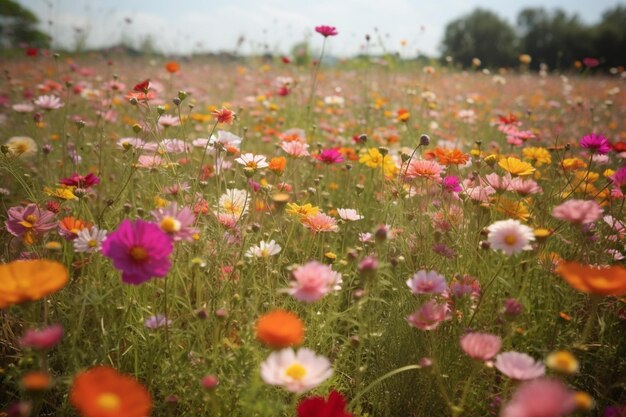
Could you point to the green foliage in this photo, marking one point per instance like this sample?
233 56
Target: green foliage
18 25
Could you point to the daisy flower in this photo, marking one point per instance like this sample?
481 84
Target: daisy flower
234 202
510 236
264 249
349 214
227 140
89 240
252 162
296 371
48 102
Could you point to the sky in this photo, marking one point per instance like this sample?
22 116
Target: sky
187 26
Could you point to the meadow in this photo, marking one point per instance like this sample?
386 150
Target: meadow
258 238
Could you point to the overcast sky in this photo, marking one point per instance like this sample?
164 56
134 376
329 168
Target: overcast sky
183 26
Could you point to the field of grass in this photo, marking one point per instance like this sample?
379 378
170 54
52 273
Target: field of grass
457 173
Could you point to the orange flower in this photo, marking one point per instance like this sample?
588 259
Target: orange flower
451 156
224 115
103 392
70 226
279 329
403 115
30 280
36 381
277 165
172 67
603 281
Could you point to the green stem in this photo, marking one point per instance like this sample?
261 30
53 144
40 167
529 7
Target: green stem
381 379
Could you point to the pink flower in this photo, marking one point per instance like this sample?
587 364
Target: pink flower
49 102
578 211
499 183
595 143
29 221
330 156
312 281
427 282
540 398
320 223
422 168
295 148
429 316
42 339
326 31
177 223
140 250
520 366
80 181
481 346
525 187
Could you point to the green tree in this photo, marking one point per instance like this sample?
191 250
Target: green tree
19 25
609 37
481 34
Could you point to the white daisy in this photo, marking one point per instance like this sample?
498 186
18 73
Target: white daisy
253 162
89 240
349 214
264 249
510 236
296 371
234 203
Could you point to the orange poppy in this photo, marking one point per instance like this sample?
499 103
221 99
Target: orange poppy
603 281
278 164
102 391
279 329
451 156
30 280
172 67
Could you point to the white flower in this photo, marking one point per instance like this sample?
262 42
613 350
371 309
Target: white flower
264 249
510 236
226 139
168 120
234 203
23 107
349 214
89 240
22 146
252 161
296 371
49 102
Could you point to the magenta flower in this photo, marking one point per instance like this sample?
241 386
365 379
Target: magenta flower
452 184
540 398
326 31
312 281
80 181
520 366
481 346
619 178
176 223
591 62
29 221
429 316
140 250
330 156
42 339
578 211
595 143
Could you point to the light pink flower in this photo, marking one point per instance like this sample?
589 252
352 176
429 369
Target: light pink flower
295 148
312 281
320 223
429 316
540 398
167 120
178 223
422 168
49 102
499 183
150 161
578 211
427 282
481 346
525 186
520 366
42 339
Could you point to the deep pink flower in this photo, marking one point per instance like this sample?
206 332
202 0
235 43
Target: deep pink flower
595 143
591 62
140 250
540 398
429 316
334 406
481 346
330 156
619 179
326 31
452 184
29 221
312 281
578 211
42 339
520 366
81 181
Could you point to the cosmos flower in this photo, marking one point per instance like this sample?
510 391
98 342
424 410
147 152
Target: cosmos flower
312 281
520 366
349 214
516 167
334 406
427 282
263 250
510 236
296 371
280 329
30 280
578 211
252 162
540 398
21 146
320 223
42 339
607 281
156 321
326 31
48 102
29 222
80 181
481 346
224 115
330 156
89 240
595 143
178 223
429 316
295 148
234 202
422 168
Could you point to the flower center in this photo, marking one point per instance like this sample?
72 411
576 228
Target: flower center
108 401
296 371
92 243
170 224
138 253
31 218
510 240
251 165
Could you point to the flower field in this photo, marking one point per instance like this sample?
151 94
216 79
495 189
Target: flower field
260 238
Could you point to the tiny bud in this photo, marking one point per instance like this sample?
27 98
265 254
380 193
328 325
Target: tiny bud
160 110
210 381
202 313
140 211
424 140
383 151
137 128
221 313
362 138
80 124
176 101
133 101
182 95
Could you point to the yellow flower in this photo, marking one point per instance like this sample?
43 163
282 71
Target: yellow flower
30 280
562 361
583 401
372 158
64 193
516 167
608 173
302 212
160 202
587 177
539 155
513 209
21 146
573 163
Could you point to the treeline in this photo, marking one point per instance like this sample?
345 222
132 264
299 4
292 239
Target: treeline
553 38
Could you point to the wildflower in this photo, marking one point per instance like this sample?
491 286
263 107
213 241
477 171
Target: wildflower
619 179
172 67
427 282
264 249
178 223
595 143
403 115
516 209
209 381
334 406
330 156
421 168
36 381
295 371
320 223
539 155
295 148
102 391
30 280
156 321
326 31
510 236
280 329
450 156
578 211
607 281
512 307
349 214
540 398
42 339
429 316
312 281
28 222
80 181
89 239
234 203
525 186
451 184
224 115
70 226
277 165
562 361
48 102
252 162
516 167
481 346
140 250
21 146
226 140
168 120
520 366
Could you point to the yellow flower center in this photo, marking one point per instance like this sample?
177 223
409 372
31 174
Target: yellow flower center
510 240
31 218
170 224
138 253
92 243
251 165
108 401
296 371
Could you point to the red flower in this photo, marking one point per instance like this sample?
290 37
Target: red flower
224 115
142 87
286 60
335 406
326 31
32 52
